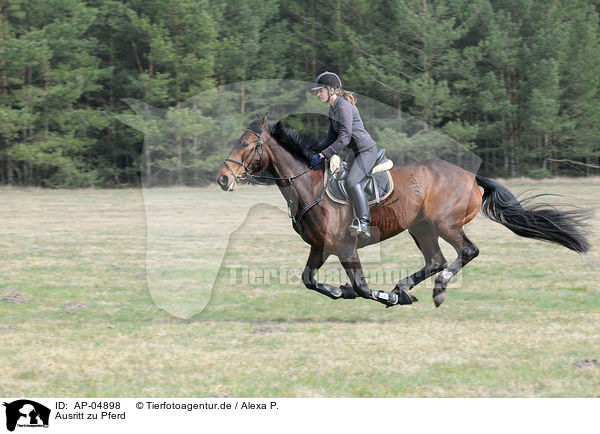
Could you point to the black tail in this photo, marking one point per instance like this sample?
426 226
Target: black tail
541 221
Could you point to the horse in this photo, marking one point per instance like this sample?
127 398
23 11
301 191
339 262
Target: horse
432 199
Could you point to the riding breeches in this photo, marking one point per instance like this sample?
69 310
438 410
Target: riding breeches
359 165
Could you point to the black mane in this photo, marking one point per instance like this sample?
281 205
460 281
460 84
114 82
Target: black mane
300 144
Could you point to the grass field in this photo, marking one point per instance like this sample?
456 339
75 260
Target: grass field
79 314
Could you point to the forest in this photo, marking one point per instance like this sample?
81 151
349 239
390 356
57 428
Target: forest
516 82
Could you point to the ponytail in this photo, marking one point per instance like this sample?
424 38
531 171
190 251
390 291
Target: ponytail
348 95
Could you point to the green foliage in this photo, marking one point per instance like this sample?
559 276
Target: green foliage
539 173
518 83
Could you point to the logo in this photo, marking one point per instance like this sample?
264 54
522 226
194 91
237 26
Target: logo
26 413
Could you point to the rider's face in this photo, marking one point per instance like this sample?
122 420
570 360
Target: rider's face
322 94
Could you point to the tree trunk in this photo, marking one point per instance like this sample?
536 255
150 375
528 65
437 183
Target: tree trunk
243 99
339 31
148 165
3 82
547 152
136 58
179 175
9 171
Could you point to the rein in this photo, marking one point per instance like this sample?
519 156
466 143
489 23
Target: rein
310 205
246 173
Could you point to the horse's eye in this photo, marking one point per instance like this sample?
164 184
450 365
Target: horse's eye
244 144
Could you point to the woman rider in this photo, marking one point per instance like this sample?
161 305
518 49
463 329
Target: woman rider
346 129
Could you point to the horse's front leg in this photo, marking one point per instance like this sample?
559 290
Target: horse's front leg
351 263
316 259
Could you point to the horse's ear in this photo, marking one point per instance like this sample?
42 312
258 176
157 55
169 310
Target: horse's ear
256 116
263 121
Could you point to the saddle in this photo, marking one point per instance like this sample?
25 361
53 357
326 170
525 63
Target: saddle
378 183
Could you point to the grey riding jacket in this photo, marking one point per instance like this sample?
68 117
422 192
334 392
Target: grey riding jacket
345 129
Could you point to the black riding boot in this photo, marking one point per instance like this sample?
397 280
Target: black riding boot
360 225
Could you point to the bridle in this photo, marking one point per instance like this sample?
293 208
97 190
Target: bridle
251 155
258 149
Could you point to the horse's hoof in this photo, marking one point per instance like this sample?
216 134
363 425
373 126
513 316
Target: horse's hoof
387 298
404 297
329 291
347 291
439 298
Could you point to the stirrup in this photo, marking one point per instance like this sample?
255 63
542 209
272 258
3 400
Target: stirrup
359 228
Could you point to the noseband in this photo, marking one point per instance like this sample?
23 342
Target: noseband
257 150
251 155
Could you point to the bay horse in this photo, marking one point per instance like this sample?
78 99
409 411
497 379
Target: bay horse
431 199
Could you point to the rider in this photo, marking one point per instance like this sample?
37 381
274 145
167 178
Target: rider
346 129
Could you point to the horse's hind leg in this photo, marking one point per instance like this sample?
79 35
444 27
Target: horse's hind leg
316 259
426 238
467 251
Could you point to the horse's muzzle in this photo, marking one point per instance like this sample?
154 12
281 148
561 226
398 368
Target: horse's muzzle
223 182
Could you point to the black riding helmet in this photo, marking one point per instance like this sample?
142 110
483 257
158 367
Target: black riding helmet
328 79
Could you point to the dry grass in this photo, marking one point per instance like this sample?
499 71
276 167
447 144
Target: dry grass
515 323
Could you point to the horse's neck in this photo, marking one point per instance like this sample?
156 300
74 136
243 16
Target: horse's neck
284 165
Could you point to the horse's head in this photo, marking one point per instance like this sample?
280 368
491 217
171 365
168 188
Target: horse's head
246 157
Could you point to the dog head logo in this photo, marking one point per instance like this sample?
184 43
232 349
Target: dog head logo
26 413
